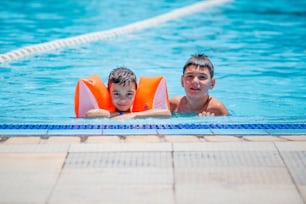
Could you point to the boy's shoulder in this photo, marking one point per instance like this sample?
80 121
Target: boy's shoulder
214 102
175 102
217 106
176 98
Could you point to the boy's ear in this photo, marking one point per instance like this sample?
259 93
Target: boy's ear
182 83
213 82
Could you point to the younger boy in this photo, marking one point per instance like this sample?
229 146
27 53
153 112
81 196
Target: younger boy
122 86
197 79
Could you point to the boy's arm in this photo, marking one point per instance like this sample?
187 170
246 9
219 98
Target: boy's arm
100 113
95 113
143 114
153 113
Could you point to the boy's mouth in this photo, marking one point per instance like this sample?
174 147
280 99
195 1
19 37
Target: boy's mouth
123 106
194 89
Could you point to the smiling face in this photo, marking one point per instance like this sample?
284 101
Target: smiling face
123 96
197 81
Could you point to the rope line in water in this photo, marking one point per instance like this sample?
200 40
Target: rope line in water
102 35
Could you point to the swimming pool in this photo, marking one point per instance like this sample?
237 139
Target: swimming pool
258 50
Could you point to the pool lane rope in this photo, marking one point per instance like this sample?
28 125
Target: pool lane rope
102 35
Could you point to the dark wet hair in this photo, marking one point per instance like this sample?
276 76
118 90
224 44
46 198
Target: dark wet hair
201 61
122 76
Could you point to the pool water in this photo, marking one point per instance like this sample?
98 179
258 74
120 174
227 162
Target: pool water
257 48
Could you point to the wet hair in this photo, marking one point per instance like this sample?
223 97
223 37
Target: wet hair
122 76
201 61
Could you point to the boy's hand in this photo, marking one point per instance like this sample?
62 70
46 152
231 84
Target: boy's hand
124 116
98 113
204 113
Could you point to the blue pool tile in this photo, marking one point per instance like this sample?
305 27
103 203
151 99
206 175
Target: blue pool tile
153 129
129 132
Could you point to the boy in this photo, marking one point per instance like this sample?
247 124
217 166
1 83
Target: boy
197 79
122 86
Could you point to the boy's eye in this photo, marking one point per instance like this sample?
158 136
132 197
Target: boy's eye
130 94
202 77
115 94
189 76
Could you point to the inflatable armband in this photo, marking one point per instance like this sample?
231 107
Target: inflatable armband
152 93
91 93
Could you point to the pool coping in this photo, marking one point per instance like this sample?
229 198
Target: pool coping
157 139
67 166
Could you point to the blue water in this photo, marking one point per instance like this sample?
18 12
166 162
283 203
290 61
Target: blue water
258 49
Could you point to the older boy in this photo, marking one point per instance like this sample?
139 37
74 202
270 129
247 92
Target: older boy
122 86
197 79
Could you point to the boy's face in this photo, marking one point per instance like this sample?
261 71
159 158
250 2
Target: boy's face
197 81
123 96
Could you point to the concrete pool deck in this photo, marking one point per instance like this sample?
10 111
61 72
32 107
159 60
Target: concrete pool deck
153 169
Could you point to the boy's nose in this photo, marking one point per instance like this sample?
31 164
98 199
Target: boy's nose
123 98
195 79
